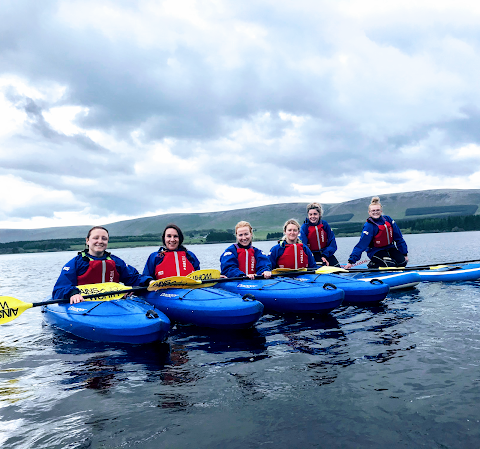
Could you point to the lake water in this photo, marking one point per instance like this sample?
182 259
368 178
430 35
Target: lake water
402 374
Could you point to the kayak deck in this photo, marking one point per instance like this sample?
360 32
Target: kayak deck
287 295
130 320
206 307
356 291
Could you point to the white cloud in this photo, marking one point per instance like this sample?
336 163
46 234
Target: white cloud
119 109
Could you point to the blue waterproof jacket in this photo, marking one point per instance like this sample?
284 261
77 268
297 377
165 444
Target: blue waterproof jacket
154 259
229 262
277 251
369 231
66 285
331 247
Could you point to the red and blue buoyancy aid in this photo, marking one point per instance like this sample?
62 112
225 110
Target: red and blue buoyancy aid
246 259
293 257
98 271
384 236
173 263
317 237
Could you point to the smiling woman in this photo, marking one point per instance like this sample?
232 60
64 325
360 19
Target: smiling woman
95 265
382 239
290 252
172 259
242 258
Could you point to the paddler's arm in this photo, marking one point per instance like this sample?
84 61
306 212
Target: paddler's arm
274 254
229 263
264 267
365 239
66 285
331 247
312 263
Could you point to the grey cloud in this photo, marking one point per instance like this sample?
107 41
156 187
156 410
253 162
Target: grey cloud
201 103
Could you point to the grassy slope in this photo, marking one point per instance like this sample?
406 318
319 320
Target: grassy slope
264 219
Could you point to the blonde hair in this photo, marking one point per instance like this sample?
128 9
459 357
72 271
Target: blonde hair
375 202
317 206
294 222
243 224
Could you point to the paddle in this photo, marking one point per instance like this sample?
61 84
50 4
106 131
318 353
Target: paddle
12 308
209 277
415 268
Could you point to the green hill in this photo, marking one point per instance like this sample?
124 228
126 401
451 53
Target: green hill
411 205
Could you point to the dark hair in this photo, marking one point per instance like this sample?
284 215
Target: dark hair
180 234
97 227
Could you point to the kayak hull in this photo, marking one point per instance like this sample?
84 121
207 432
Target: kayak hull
356 291
206 307
129 320
286 295
396 281
457 273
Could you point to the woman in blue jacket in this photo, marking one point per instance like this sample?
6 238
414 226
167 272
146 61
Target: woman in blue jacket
172 259
317 234
242 258
382 240
290 252
95 265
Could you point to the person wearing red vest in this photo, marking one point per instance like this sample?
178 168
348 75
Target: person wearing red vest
289 252
242 258
382 239
318 236
95 265
172 259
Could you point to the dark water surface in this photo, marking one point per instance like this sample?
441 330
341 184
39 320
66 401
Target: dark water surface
401 374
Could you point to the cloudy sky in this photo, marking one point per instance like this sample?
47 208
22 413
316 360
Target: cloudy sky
125 108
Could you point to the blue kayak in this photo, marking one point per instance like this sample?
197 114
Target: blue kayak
130 320
288 295
452 273
356 291
395 280
206 307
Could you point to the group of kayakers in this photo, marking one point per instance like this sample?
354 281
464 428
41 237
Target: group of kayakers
381 238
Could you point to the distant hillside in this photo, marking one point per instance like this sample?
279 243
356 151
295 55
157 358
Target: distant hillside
411 205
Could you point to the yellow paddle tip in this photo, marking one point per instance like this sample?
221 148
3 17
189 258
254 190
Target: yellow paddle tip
11 308
204 275
288 270
104 287
330 270
173 282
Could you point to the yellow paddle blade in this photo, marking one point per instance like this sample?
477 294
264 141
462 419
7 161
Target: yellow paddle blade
204 276
438 266
107 287
11 308
173 282
287 270
330 270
